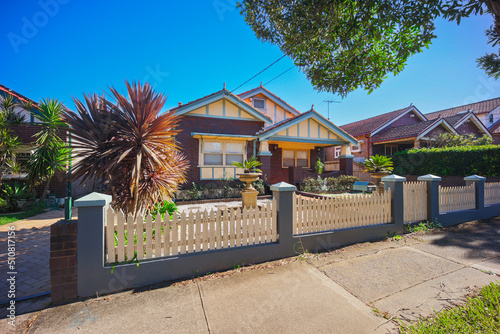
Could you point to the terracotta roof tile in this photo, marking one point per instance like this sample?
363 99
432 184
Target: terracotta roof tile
370 124
16 94
267 90
210 95
480 107
275 125
405 131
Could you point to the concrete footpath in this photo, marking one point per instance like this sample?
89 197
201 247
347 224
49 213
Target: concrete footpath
362 288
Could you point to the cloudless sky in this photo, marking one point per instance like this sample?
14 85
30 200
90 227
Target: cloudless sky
188 49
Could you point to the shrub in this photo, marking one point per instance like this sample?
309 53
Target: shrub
318 185
448 161
163 208
342 183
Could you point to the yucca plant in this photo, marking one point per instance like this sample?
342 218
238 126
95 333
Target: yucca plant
51 153
378 163
8 141
249 166
127 142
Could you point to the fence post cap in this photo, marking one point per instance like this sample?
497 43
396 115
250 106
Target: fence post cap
474 178
93 199
283 186
429 177
393 178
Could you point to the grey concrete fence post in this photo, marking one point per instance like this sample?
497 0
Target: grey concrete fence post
432 196
479 182
395 183
283 193
90 247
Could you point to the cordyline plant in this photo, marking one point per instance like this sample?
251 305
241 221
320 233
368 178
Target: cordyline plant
125 141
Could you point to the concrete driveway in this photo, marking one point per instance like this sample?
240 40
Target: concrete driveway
350 290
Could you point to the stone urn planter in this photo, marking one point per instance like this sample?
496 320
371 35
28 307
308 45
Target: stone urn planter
249 193
378 176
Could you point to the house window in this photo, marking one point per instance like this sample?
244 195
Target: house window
337 151
215 153
295 158
259 103
391 149
491 118
356 148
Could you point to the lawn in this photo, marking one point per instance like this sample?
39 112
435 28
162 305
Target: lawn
32 211
480 314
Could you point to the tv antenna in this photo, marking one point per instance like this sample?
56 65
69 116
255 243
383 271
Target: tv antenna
330 101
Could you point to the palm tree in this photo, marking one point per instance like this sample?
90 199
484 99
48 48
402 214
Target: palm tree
128 143
8 141
51 153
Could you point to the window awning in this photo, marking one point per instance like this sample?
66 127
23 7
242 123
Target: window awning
221 136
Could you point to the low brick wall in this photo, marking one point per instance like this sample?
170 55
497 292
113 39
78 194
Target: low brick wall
63 264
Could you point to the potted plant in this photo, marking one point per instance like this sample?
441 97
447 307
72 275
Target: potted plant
250 174
319 166
378 166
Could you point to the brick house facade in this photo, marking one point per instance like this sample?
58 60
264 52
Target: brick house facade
222 127
408 128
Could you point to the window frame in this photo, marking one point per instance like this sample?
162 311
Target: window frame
201 156
295 157
260 99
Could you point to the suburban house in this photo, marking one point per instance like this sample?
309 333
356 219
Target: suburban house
407 128
25 133
223 127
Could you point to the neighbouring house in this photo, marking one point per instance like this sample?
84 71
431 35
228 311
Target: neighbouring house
408 128
25 133
487 112
223 127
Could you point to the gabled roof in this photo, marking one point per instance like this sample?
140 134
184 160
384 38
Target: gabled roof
16 95
495 127
271 96
373 124
280 126
457 120
412 130
481 107
223 93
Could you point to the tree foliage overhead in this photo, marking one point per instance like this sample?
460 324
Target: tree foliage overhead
342 45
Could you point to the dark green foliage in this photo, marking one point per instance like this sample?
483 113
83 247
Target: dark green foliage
449 161
450 140
345 45
14 192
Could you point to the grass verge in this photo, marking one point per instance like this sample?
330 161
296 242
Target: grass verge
34 210
480 314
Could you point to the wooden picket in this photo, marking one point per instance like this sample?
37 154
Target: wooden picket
187 233
332 213
415 199
492 193
457 198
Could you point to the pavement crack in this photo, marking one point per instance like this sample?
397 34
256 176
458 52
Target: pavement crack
203 307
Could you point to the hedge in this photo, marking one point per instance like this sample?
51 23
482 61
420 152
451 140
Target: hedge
449 161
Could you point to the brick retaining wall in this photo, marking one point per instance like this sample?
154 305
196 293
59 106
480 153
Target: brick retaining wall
63 264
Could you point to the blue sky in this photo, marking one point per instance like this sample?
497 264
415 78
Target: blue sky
62 48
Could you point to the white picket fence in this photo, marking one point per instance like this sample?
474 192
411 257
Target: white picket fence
457 198
492 193
415 198
188 232
325 214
